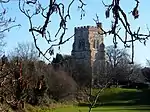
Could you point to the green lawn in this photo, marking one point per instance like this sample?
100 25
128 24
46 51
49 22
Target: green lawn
99 109
110 100
122 96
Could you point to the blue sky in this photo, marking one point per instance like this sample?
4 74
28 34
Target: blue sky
92 8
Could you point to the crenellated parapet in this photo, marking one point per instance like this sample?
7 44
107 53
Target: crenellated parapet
86 28
82 28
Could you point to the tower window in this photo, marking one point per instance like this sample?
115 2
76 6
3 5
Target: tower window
97 44
81 44
94 44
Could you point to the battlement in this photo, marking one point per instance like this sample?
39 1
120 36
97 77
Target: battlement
88 27
84 27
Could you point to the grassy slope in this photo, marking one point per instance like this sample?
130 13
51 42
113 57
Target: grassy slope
118 99
127 96
99 109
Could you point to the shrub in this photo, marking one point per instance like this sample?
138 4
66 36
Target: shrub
61 85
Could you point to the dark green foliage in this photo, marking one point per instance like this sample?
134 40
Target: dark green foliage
58 61
58 58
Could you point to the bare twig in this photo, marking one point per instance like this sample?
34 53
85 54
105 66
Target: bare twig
97 95
47 13
120 17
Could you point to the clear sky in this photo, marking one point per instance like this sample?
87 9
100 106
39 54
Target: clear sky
93 6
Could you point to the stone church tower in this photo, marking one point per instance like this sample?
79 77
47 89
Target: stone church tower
88 47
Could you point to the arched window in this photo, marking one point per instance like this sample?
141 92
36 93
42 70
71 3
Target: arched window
97 44
81 44
94 44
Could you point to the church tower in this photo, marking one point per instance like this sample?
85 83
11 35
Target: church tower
88 41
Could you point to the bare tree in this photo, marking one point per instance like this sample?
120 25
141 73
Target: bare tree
12 86
119 17
16 73
5 24
146 73
136 74
54 7
114 12
118 62
118 66
17 78
120 21
25 51
6 72
148 62
2 44
118 69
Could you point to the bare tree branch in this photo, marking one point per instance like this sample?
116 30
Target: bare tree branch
46 13
120 18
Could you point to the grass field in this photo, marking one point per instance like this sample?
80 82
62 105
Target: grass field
99 109
124 96
110 100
